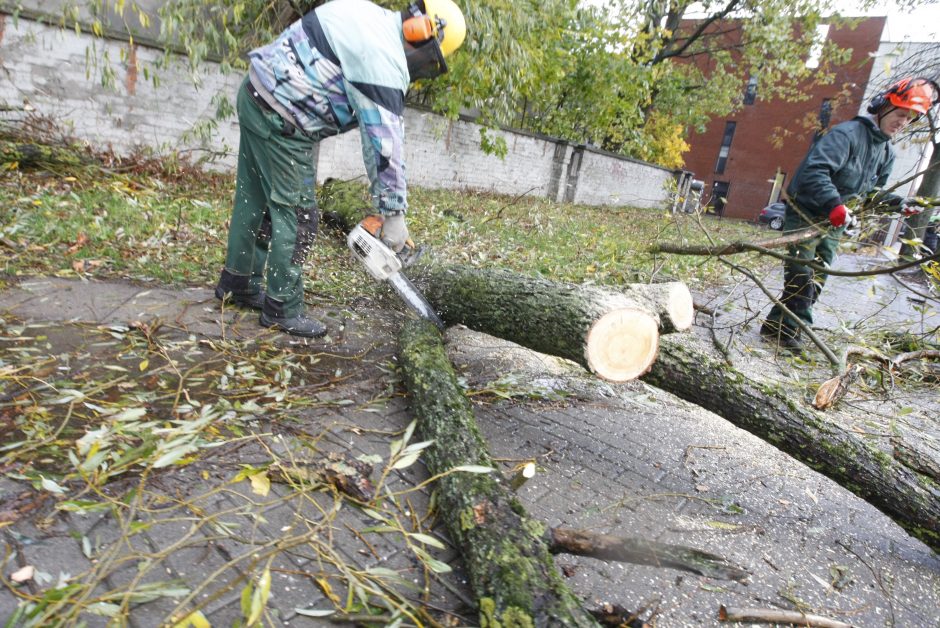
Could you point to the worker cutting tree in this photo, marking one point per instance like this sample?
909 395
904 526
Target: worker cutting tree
851 161
345 64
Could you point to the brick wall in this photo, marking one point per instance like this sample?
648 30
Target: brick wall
754 158
46 67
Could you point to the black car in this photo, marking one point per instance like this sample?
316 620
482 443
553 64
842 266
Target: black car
772 216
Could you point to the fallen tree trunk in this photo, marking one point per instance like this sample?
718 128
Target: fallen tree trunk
905 494
508 555
512 573
612 334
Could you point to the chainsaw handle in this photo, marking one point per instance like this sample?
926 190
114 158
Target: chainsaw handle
373 224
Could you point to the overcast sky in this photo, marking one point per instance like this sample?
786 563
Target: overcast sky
922 24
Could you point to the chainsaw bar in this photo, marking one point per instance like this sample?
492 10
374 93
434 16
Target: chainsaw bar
413 297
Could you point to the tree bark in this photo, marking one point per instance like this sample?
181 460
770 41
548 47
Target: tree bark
512 573
905 494
614 335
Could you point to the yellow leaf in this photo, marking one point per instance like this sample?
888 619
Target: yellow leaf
144 364
37 202
260 483
195 620
205 474
721 525
328 590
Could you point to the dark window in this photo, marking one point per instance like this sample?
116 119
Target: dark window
725 147
825 114
720 191
750 92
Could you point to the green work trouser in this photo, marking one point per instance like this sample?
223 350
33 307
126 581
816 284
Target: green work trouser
801 284
275 217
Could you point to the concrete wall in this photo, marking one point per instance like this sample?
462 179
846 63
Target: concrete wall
49 69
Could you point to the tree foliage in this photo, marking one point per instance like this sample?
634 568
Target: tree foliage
629 76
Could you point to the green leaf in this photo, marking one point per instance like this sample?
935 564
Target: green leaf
406 461
427 540
473 468
312 612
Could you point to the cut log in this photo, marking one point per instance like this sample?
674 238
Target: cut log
670 301
609 333
512 573
903 493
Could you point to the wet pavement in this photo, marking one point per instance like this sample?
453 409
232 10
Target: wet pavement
620 459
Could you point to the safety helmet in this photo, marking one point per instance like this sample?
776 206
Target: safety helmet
433 29
917 94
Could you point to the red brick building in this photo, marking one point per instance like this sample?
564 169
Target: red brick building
741 166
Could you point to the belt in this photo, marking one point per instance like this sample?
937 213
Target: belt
255 96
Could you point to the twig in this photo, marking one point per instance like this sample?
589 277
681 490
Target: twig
512 202
774 616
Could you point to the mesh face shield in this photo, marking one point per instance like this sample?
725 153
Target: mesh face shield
425 60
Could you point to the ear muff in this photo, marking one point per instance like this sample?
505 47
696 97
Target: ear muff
417 29
897 96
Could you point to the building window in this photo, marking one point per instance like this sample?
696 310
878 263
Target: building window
815 52
750 92
725 147
825 114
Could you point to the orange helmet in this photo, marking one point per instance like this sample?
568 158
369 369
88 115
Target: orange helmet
916 94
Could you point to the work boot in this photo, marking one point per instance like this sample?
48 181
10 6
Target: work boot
784 338
236 289
300 325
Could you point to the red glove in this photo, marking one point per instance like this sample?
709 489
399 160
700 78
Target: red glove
838 215
911 206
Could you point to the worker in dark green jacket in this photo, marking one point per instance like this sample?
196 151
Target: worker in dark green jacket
852 160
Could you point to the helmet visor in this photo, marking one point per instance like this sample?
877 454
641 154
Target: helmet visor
425 60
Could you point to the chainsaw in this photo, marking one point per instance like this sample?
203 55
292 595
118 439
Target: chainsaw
385 265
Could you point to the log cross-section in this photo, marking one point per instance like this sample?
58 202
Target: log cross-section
612 334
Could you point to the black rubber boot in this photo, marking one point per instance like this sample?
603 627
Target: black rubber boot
300 325
236 289
783 337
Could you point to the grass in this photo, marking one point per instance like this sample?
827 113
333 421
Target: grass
174 230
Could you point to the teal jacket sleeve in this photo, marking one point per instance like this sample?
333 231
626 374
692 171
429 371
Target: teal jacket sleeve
382 128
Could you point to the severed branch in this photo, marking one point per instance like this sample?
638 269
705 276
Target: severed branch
766 248
774 616
734 248
832 390
642 552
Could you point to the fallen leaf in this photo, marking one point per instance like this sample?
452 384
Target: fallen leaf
260 483
24 574
81 241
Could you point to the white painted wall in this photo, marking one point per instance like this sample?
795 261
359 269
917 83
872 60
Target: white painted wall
45 67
